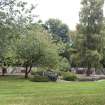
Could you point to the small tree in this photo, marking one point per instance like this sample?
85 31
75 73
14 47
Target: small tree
36 49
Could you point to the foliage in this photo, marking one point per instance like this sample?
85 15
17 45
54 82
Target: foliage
75 59
58 30
90 39
94 57
39 78
60 35
69 76
40 73
14 17
36 49
52 75
64 65
65 52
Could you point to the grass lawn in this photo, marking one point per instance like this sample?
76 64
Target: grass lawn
15 91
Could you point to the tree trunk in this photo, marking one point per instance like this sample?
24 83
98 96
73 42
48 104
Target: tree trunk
88 72
26 72
4 70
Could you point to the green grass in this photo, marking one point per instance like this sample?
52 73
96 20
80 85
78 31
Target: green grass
15 91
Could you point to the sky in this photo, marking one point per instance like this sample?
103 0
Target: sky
65 10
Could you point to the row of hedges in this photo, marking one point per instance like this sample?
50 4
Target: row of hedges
41 76
39 79
68 76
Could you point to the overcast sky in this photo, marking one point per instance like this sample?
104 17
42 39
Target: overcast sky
65 10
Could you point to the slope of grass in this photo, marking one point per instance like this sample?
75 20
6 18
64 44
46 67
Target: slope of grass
15 91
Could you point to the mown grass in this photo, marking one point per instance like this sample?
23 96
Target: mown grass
16 91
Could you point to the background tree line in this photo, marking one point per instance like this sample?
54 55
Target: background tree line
51 44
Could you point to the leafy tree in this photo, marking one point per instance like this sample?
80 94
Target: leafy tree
36 49
59 30
103 54
90 29
14 17
60 35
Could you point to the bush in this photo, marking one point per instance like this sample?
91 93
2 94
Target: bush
51 75
69 76
40 79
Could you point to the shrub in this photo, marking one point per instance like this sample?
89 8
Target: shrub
69 76
51 75
40 79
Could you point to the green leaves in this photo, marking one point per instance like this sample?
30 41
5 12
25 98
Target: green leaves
89 42
92 58
36 48
58 30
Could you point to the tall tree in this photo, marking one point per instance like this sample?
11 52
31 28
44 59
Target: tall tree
14 17
60 34
91 24
59 30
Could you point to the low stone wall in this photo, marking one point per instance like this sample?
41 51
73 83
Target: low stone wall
91 78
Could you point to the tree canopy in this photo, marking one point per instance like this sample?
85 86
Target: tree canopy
90 36
59 30
36 49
